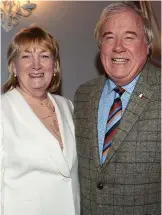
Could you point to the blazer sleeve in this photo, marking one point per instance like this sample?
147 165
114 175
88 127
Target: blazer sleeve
71 106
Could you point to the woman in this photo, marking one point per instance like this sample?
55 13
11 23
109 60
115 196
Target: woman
40 174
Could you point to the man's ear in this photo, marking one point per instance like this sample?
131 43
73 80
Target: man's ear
149 50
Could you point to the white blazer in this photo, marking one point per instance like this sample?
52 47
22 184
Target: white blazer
38 178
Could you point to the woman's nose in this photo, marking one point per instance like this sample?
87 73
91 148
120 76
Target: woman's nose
36 64
118 46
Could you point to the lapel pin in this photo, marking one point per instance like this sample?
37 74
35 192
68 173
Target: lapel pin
141 96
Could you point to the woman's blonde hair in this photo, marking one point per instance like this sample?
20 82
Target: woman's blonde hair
33 36
116 8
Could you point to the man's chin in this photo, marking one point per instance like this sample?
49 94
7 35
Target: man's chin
120 80
118 75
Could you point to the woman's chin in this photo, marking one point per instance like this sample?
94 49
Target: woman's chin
38 87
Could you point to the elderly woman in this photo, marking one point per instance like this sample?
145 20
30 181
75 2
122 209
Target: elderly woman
40 175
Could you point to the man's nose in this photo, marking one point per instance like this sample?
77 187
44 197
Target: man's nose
118 46
36 64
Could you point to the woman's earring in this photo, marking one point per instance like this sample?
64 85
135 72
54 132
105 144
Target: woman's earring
15 75
54 74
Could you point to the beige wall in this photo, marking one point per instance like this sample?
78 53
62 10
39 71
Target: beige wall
72 23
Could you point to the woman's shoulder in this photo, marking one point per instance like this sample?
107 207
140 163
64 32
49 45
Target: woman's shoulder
9 94
59 98
4 96
6 103
62 101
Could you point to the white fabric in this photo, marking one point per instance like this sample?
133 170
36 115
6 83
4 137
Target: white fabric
38 178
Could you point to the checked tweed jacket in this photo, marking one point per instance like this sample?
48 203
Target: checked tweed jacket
128 183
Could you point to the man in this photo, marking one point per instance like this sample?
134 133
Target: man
117 120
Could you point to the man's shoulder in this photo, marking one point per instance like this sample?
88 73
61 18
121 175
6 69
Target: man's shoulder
153 67
88 85
153 74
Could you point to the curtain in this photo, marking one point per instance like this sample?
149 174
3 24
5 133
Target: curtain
147 9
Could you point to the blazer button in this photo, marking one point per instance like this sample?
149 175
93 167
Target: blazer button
100 186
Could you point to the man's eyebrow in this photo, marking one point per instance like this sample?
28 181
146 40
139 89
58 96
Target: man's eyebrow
107 33
127 32
131 32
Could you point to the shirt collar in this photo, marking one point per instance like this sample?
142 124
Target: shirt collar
110 85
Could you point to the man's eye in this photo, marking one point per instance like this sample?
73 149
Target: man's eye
108 38
129 38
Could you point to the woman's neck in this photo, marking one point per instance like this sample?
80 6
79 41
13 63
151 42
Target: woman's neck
36 95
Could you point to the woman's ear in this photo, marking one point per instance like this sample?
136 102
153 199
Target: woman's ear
14 68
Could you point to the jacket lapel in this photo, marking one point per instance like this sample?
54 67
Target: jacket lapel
138 101
66 132
95 98
36 129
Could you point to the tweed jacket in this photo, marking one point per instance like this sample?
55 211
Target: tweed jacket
128 183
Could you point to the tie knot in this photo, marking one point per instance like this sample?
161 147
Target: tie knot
119 90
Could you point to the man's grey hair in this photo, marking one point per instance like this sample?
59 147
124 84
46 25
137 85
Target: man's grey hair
116 8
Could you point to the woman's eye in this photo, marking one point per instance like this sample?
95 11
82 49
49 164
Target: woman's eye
45 56
25 56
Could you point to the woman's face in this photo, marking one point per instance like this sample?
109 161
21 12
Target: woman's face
34 68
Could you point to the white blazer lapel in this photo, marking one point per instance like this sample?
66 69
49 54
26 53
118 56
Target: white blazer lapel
66 129
38 130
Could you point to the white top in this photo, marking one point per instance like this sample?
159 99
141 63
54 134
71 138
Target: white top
38 177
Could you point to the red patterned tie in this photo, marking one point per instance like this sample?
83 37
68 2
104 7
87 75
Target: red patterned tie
113 121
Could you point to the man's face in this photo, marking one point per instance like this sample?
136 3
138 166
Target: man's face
123 48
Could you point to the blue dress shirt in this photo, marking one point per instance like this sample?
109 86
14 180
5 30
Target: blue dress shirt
105 103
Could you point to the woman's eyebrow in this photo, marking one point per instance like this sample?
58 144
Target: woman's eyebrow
26 51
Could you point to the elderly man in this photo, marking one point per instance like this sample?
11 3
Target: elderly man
117 120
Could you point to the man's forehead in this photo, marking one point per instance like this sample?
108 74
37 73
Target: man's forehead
127 15
125 20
